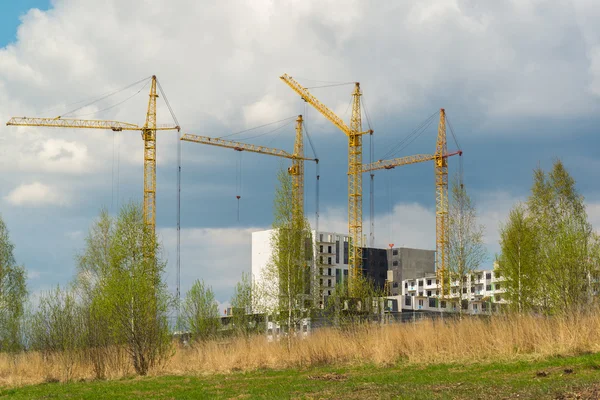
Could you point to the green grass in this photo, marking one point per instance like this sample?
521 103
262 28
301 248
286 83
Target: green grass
548 379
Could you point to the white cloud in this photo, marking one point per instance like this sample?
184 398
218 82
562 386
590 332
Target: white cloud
216 255
35 194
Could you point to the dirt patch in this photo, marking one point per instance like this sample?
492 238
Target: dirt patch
332 376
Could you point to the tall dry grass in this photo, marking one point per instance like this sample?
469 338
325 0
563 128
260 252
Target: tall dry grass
423 342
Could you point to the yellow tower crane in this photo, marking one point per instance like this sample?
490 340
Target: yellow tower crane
296 170
354 133
148 135
440 159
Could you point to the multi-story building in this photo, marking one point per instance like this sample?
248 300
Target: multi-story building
481 291
386 267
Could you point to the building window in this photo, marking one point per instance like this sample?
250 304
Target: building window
305 328
329 249
329 293
488 275
432 302
465 290
320 248
420 283
329 285
498 297
428 282
472 290
420 302
406 285
329 271
395 252
436 292
412 294
488 287
498 275
475 307
429 293
443 304
395 263
328 260
321 282
407 301
320 237
479 277
498 286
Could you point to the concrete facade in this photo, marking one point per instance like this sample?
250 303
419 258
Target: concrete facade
406 263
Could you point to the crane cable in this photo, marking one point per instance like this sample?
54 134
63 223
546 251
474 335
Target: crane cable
178 266
371 175
411 137
104 96
460 162
257 127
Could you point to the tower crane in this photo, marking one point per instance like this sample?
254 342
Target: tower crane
148 135
354 133
440 159
296 170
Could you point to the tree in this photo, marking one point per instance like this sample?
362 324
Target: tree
13 295
518 260
567 255
286 280
200 315
58 329
466 249
364 305
120 281
241 306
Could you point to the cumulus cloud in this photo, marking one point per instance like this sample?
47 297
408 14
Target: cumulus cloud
216 255
35 194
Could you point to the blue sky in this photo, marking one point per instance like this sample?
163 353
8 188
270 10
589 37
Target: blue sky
9 18
520 82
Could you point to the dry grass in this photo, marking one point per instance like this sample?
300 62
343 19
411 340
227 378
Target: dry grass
424 342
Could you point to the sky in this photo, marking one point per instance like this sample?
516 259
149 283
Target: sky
520 82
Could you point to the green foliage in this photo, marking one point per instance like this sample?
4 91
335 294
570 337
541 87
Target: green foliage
120 282
364 306
13 295
241 305
466 249
285 290
200 315
560 239
58 328
518 260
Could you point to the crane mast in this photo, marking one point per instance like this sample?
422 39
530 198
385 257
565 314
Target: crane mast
148 135
354 133
440 159
441 205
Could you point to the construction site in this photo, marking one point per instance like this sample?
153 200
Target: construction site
338 258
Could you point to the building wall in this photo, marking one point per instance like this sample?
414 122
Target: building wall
406 263
375 266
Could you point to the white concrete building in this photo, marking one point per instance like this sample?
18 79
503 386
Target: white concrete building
484 291
330 255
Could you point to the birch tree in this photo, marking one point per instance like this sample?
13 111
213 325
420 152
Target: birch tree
567 245
13 295
286 280
200 314
241 306
466 249
518 260
120 280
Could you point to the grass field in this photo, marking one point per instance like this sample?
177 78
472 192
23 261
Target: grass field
554 378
